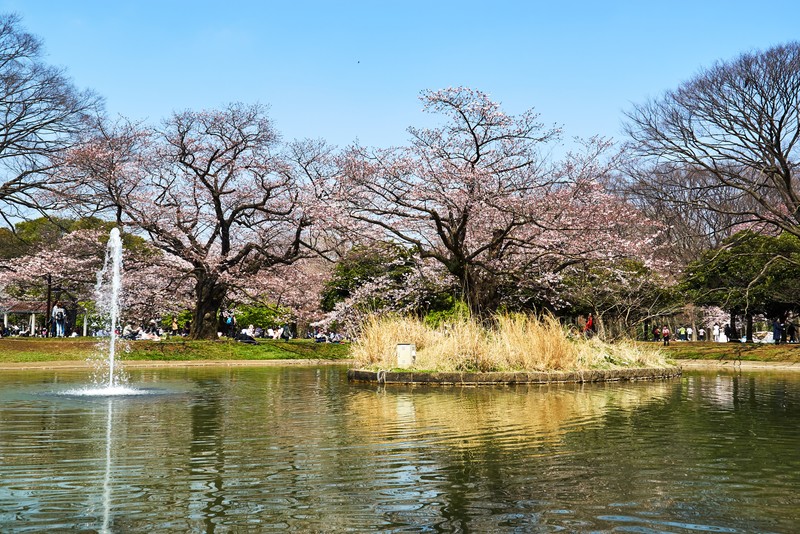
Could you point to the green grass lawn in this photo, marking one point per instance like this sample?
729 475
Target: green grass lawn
44 350
14 350
761 352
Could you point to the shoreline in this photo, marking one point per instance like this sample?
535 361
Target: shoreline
160 364
707 365
443 378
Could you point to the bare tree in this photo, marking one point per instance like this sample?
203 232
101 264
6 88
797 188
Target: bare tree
727 140
42 115
676 197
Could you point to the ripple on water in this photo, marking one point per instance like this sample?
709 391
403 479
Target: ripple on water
302 450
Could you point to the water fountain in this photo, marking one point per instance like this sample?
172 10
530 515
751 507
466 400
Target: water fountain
110 377
108 297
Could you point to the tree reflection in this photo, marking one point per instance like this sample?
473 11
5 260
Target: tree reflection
207 453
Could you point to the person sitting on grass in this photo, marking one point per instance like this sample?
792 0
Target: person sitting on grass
129 332
149 336
245 337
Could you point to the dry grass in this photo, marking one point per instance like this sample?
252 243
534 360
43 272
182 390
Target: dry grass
515 342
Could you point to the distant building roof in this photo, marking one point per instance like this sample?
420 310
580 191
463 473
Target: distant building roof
20 306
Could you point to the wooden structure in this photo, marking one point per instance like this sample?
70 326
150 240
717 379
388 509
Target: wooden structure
31 309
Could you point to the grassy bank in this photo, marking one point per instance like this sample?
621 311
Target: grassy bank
14 350
44 350
760 352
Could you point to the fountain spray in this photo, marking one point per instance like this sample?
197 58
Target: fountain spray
109 300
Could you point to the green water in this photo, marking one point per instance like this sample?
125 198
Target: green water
302 450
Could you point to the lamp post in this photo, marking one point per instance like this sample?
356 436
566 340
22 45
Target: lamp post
48 312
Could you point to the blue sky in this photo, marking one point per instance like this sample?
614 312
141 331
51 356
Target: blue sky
353 70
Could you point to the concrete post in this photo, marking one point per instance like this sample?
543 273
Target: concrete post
406 355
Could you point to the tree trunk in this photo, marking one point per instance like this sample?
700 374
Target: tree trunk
734 333
749 329
481 295
209 294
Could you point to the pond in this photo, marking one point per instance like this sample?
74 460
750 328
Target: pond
301 449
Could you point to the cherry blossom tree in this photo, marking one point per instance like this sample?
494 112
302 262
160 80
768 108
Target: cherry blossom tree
296 287
622 295
71 262
403 287
479 196
104 168
69 254
211 189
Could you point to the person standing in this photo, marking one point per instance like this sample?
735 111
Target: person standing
791 332
665 333
588 330
59 317
286 334
715 332
777 331
230 324
689 332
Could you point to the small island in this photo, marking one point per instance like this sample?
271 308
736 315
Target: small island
505 349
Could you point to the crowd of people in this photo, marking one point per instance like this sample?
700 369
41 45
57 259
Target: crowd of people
684 333
229 327
782 332
56 326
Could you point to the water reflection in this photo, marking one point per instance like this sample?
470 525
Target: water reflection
207 455
302 450
520 416
107 478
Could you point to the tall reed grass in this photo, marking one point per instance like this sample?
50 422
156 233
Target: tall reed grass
513 342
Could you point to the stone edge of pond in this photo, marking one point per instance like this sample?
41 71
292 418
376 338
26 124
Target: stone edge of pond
531 377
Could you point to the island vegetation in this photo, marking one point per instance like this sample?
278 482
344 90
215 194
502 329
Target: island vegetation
506 342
